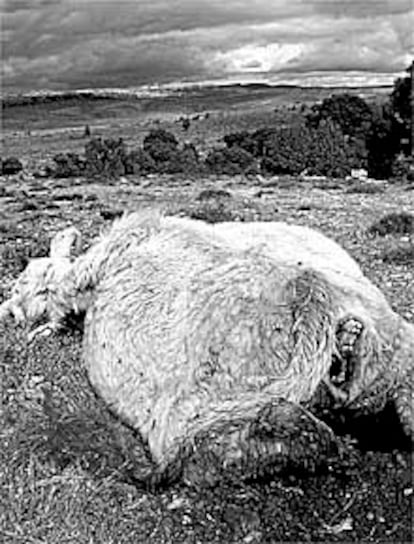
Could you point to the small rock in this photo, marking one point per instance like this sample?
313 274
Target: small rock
254 536
178 502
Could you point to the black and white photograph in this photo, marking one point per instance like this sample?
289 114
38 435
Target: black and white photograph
206 271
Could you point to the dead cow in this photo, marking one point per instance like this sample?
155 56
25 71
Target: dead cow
205 342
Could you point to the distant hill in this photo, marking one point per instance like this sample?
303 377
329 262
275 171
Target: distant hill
246 90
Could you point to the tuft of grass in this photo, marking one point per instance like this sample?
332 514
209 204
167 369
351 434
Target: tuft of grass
393 223
212 211
399 255
208 194
365 188
109 214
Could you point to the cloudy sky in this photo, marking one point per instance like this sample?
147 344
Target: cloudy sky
63 44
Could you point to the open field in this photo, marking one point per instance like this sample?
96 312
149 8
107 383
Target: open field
41 130
64 476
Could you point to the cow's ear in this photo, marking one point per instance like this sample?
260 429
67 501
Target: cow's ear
65 243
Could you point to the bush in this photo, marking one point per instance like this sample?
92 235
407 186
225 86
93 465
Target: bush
402 168
10 166
401 105
323 151
382 143
185 123
229 161
105 158
185 160
247 141
68 165
331 153
286 151
394 223
365 188
163 149
213 211
208 194
348 111
399 255
161 145
139 162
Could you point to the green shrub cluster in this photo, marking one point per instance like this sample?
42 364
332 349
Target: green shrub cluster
403 168
230 161
10 166
68 165
394 223
105 158
323 150
384 131
110 158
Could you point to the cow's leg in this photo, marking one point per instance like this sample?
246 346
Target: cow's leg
280 433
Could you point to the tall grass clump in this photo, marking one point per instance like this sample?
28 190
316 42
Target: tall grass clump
393 223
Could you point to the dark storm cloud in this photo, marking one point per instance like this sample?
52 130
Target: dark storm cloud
67 43
361 8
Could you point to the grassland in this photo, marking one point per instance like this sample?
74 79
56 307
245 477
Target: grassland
65 474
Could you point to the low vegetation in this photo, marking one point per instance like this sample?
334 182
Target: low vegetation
393 223
341 133
10 166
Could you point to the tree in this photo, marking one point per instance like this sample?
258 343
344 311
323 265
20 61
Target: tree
401 95
350 112
402 105
383 143
161 145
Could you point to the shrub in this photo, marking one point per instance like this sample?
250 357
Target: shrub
331 153
161 145
364 188
285 151
402 168
185 123
11 166
399 255
401 105
262 136
348 111
229 161
394 223
382 143
248 141
185 160
163 149
208 194
323 151
139 162
68 165
105 158
212 211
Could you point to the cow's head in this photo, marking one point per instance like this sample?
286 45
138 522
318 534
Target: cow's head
30 294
